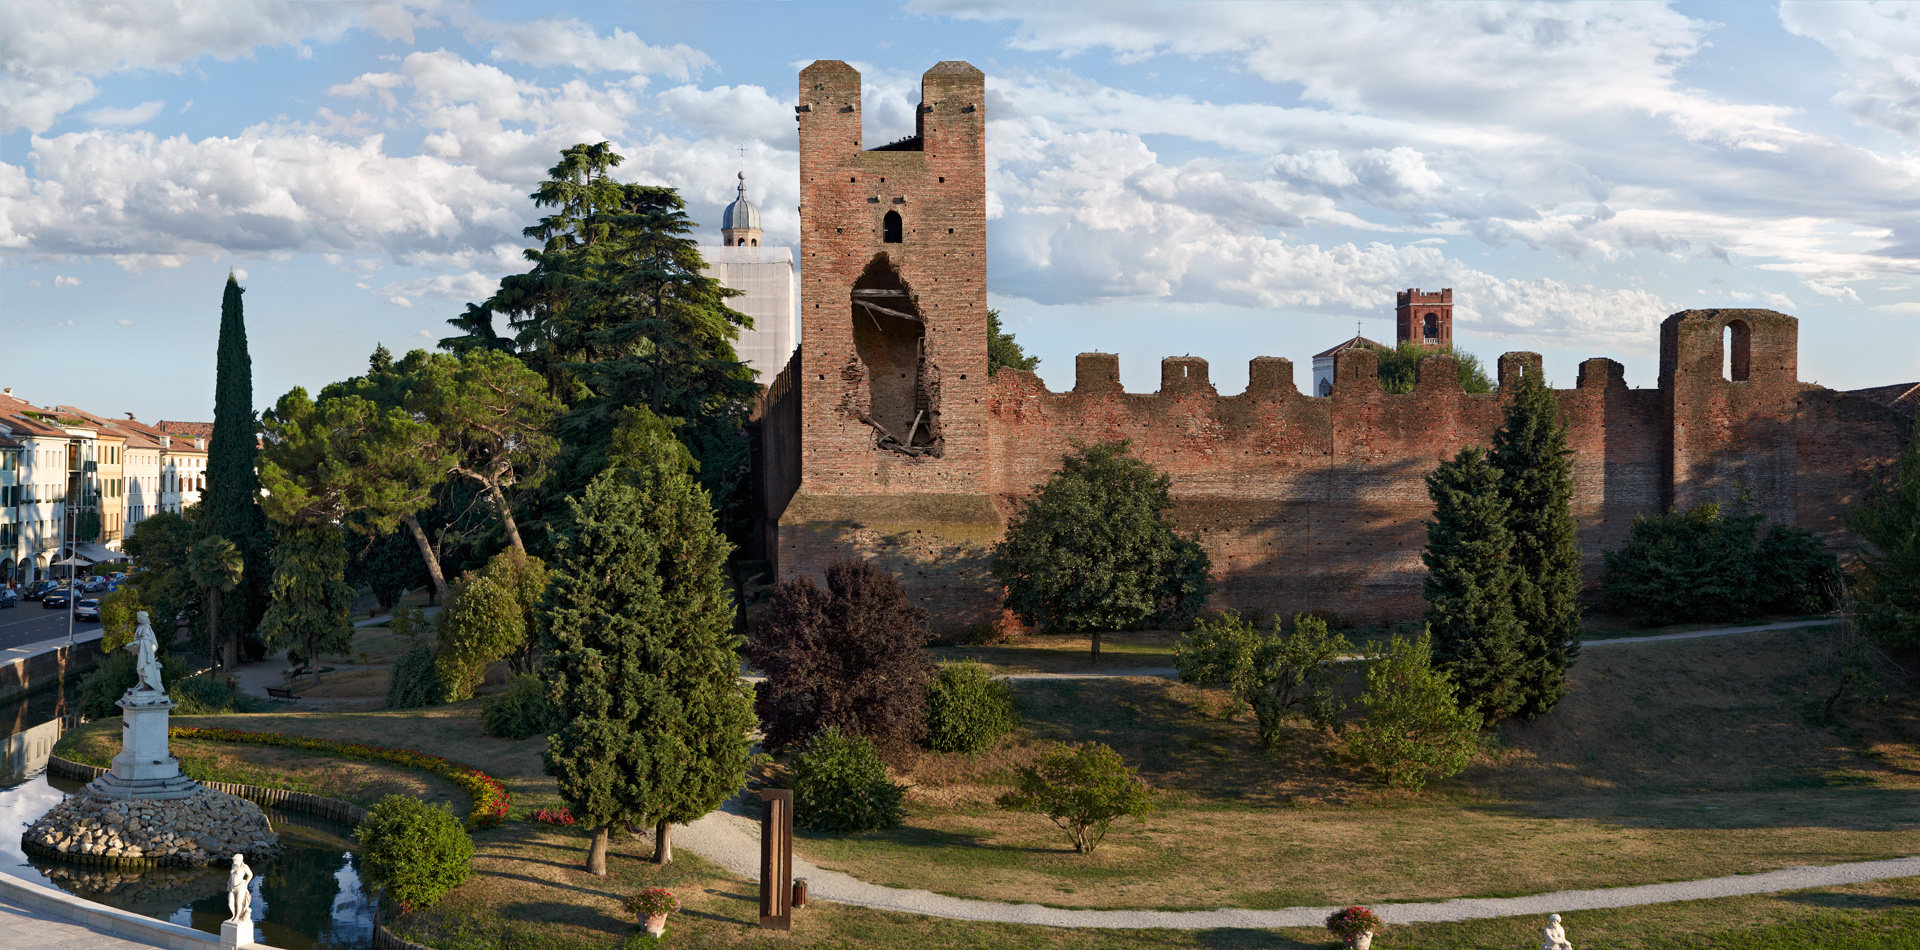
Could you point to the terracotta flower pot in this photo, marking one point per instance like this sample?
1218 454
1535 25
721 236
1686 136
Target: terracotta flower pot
656 924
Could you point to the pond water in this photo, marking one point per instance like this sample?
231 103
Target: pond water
308 898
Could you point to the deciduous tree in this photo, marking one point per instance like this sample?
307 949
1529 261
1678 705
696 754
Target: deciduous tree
851 655
641 659
1091 551
1414 730
1278 674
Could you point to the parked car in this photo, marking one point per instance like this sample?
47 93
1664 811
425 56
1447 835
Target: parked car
38 589
87 610
9 597
94 585
56 599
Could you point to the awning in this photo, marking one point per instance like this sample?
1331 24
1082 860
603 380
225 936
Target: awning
96 554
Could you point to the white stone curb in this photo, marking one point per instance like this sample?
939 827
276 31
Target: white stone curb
112 920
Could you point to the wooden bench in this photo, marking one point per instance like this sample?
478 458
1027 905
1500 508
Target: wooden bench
282 693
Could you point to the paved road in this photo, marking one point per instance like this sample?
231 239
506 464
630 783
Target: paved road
32 623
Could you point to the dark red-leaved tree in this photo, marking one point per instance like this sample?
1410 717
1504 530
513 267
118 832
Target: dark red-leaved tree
852 655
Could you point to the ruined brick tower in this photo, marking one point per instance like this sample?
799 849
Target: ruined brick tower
892 373
1425 318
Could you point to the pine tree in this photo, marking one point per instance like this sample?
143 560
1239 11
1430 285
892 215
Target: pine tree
312 603
231 504
642 663
1536 481
1470 585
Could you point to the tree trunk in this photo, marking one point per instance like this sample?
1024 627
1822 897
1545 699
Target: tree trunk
506 515
216 651
597 851
663 842
427 555
1096 646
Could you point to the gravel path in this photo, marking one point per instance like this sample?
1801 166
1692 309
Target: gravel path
730 839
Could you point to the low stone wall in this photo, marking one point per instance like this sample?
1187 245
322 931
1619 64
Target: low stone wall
38 665
303 802
121 923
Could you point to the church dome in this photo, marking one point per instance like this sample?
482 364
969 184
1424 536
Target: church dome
741 215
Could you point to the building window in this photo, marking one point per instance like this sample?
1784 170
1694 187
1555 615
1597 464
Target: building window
1432 328
890 229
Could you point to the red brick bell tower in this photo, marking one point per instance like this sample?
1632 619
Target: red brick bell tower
1425 318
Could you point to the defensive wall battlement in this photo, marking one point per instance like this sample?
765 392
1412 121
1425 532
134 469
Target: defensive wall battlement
887 439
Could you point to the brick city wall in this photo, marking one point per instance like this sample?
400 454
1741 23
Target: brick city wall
1302 502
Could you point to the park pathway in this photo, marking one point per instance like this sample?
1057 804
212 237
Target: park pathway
732 841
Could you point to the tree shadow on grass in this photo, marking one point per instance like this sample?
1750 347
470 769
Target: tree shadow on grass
1844 901
1234 939
1837 807
556 912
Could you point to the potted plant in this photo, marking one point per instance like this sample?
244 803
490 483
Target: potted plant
651 907
1355 925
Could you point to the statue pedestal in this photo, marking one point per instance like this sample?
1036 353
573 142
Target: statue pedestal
234 934
143 769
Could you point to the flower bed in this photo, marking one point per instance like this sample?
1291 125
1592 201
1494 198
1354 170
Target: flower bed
490 798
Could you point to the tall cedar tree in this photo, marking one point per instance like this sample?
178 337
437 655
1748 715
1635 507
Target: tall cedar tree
850 656
1090 552
616 313
1470 586
1002 351
642 663
1536 481
1887 600
312 602
231 504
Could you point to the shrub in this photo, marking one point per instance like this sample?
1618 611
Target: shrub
1711 563
841 786
118 618
103 687
1414 730
967 709
523 710
851 656
415 680
205 696
1083 788
1279 675
490 615
416 852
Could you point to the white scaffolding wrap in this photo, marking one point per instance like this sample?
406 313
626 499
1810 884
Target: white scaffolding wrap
765 275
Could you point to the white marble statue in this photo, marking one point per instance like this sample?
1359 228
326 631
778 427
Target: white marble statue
1555 938
145 661
239 898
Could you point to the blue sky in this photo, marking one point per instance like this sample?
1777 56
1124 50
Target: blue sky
1225 181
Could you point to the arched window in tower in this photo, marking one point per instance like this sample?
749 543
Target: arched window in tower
1431 329
1736 360
890 228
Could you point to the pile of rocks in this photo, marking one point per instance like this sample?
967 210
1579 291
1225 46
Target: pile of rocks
207 827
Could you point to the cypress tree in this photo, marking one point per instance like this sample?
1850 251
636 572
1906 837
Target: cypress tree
1536 481
1470 585
231 504
642 663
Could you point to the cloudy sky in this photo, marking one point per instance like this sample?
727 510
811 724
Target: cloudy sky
1223 181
